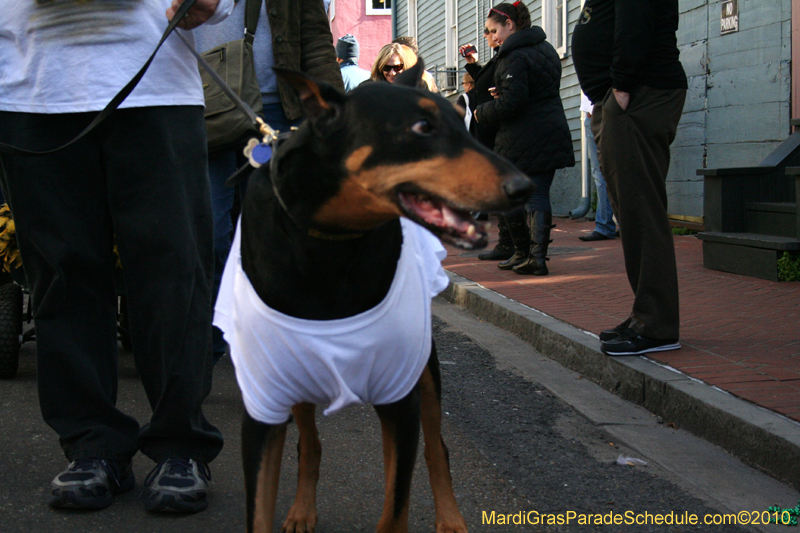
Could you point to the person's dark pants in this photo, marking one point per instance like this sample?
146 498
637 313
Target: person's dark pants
634 158
140 177
540 198
220 167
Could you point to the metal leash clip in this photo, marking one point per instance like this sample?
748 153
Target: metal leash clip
259 153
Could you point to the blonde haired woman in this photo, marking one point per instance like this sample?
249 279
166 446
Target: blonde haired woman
393 59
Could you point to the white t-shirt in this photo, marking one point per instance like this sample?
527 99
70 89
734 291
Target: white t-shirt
586 104
72 56
374 357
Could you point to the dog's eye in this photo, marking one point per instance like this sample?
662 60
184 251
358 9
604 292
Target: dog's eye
422 127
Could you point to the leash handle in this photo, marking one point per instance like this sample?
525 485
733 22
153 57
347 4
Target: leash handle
118 99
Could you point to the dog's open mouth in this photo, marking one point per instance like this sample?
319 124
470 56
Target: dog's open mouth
449 223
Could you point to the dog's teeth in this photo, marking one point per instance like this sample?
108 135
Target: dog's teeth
471 231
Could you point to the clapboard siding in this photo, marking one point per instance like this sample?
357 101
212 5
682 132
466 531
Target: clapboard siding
431 21
748 87
737 105
689 149
401 16
467 28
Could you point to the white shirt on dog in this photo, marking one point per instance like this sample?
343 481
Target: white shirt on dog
374 357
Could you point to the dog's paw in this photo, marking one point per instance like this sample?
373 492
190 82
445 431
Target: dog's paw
300 520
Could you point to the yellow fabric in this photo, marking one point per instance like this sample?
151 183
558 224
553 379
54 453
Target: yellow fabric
9 252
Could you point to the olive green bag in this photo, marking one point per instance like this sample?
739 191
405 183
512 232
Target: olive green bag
227 127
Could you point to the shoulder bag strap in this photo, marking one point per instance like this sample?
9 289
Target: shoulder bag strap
252 11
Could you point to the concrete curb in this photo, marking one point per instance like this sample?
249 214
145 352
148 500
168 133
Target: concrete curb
758 437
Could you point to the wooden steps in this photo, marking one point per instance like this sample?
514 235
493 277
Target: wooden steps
751 214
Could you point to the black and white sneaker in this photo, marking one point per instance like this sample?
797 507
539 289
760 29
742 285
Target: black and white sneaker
91 483
608 334
631 343
177 484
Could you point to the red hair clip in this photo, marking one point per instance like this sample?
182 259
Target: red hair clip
516 4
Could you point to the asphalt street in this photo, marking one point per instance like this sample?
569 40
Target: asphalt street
526 438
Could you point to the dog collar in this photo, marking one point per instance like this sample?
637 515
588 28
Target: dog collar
317 234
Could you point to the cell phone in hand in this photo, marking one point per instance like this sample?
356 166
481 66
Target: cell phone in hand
468 50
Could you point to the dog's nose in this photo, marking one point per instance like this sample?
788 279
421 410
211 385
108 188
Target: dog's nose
518 188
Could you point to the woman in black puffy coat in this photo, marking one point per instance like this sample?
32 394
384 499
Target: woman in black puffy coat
533 131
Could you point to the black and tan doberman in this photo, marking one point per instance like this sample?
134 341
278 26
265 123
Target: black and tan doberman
320 240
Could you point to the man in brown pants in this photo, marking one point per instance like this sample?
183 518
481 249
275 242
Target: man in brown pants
626 57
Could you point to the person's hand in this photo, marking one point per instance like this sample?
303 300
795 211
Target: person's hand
201 11
493 92
623 99
471 57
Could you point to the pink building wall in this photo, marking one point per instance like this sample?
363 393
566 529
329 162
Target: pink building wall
371 31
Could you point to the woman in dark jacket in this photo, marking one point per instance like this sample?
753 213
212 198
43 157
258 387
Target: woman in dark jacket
533 134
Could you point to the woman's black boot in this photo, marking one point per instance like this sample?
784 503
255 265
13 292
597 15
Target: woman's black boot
504 248
540 226
518 229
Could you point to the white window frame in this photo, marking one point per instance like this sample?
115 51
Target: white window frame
450 41
332 10
451 33
550 12
373 11
413 20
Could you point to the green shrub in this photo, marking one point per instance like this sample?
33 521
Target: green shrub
683 231
789 267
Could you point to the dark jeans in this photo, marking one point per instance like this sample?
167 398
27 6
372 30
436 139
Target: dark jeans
141 178
634 158
220 168
540 199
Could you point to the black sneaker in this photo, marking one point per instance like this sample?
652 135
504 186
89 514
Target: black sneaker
608 334
500 252
595 236
177 484
631 343
91 483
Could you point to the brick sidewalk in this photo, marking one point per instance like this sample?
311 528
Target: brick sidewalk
739 334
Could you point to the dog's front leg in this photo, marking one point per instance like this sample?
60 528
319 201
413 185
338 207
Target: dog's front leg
400 428
262 448
448 517
302 517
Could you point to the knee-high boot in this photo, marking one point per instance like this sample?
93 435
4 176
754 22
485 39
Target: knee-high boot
541 222
518 230
504 248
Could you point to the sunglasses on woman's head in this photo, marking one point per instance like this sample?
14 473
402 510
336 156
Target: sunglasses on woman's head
397 68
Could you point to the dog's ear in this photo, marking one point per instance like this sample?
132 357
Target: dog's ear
318 98
412 77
